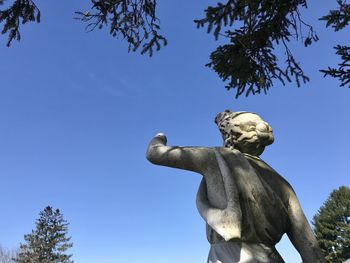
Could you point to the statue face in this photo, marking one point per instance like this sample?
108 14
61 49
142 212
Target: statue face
250 133
249 122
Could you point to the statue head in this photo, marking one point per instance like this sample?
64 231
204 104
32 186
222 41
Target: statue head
244 131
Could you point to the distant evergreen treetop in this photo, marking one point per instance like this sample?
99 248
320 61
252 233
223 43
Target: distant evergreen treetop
48 241
332 226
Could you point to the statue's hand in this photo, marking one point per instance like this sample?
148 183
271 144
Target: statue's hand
161 136
154 152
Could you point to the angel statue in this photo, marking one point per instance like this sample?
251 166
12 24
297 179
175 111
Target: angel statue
246 204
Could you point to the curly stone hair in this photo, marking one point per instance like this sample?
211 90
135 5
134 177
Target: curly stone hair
231 131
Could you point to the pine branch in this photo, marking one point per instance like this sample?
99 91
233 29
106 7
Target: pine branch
338 19
254 28
133 20
21 12
341 73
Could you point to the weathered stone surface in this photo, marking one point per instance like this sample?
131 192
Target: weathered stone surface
246 204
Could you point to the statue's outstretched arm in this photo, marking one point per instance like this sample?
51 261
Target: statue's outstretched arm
188 158
301 235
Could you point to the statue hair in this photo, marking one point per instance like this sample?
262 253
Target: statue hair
229 133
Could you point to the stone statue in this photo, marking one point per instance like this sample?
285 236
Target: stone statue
246 204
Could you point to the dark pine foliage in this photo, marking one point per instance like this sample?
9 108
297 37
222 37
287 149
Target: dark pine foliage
254 28
338 19
332 226
20 12
48 242
343 71
133 20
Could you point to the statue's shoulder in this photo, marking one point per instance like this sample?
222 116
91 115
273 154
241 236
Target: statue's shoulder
282 181
271 175
202 153
227 151
230 154
211 154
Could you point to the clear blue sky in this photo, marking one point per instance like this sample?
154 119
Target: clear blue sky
77 112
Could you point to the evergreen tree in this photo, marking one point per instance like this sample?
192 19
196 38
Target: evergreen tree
332 226
48 242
